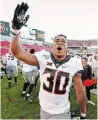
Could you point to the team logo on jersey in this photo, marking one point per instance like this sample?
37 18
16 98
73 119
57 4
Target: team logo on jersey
48 63
46 56
64 66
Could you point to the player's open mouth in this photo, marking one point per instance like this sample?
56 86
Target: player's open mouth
59 48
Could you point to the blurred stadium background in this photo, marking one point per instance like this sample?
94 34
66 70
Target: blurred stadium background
34 38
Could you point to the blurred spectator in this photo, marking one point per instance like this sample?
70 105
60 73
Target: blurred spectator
87 79
95 68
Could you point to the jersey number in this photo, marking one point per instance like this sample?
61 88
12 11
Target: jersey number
11 57
55 81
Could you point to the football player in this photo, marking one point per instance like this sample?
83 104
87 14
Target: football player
56 71
11 67
30 74
1 68
4 63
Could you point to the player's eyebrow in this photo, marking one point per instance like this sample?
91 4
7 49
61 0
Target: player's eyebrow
60 39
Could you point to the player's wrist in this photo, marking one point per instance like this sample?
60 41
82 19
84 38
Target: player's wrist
15 32
83 114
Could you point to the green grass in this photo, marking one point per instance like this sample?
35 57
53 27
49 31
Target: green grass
91 110
13 105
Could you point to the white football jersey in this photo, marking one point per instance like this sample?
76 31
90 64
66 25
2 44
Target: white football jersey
28 68
56 79
11 60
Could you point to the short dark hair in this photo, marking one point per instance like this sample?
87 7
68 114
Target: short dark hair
32 51
61 35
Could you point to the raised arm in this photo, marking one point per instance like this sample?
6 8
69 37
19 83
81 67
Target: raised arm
19 20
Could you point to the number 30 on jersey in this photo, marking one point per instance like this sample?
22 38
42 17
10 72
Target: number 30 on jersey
55 81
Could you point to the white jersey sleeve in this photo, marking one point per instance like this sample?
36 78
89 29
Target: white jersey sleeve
41 58
77 65
39 55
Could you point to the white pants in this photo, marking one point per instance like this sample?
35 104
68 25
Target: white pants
30 76
47 116
12 69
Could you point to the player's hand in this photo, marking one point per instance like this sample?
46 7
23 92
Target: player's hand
20 19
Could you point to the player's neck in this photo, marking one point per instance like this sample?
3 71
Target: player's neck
59 58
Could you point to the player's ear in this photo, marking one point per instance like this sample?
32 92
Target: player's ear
66 46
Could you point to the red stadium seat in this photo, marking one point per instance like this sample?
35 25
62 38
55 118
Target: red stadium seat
5 43
3 51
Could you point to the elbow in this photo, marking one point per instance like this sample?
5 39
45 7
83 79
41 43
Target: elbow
15 47
15 52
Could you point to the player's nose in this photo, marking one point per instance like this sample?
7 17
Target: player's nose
59 43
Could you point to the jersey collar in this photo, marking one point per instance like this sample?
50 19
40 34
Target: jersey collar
59 63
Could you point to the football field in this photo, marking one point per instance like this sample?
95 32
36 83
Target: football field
13 105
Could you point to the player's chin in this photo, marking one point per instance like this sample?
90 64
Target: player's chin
59 55
60 52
